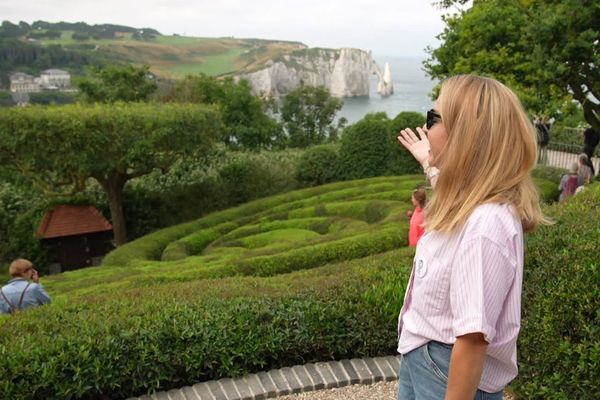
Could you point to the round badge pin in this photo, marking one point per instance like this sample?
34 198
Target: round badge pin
421 268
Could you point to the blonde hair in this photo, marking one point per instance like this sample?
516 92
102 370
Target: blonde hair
18 267
488 157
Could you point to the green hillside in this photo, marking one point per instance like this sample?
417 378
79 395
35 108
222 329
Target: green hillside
177 56
171 56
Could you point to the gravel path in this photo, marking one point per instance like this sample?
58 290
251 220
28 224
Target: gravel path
377 391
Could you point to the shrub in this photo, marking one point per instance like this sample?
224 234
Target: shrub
370 147
195 242
365 149
151 246
548 190
133 343
402 162
548 173
318 165
559 349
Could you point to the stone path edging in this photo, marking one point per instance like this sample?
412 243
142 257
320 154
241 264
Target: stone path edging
288 380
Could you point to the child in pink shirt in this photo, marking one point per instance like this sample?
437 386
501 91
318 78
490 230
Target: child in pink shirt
419 197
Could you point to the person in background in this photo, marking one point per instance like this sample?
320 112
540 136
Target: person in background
418 198
543 138
569 183
584 171
461 317
591 138
24 290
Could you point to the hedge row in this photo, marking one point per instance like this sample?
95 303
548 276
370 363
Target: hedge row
126 341
559 346
144 339
150 247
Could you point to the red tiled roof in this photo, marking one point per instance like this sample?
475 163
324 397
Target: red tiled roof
67 220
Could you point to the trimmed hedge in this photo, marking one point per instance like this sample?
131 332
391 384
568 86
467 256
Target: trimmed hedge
131 345
150 247
114 332
195 242
559 345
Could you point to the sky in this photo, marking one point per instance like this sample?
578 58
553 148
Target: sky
386 27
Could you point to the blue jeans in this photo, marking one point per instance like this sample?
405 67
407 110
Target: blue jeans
424 374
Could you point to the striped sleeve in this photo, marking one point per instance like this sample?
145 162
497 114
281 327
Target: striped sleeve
481 278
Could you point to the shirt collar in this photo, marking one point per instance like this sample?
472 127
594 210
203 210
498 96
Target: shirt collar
17 280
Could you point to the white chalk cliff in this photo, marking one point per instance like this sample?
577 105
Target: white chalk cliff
345 72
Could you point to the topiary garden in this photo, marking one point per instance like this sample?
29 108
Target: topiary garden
309 275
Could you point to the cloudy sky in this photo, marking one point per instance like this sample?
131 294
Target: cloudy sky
387 27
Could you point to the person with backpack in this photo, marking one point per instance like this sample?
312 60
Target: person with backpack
24 290
569 183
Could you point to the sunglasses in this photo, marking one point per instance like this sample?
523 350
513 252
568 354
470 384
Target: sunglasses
432 117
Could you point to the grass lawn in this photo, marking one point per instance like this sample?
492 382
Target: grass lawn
210 65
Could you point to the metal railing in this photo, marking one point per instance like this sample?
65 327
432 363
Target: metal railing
562 155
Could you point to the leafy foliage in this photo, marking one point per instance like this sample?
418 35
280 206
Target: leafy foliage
558 347
247 124
131 343
51 98
138 324
65 146
308 114
319 165
117 83
547 51
370 148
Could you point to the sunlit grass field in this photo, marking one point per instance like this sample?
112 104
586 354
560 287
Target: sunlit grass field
174 56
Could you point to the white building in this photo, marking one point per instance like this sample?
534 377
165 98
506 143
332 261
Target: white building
23 83
55 79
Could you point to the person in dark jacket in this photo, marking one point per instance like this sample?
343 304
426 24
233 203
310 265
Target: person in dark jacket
543 138
591 138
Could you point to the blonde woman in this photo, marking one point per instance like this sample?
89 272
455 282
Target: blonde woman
460 320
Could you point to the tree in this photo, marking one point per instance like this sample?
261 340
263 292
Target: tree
59 148
366 149
402 162
548 51
244 114
51 97
318 165
117 83
308 114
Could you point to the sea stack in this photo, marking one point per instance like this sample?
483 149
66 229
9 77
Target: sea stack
385 87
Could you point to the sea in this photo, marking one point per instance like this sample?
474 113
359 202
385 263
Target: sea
412 89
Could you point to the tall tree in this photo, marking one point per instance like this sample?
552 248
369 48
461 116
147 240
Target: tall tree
117 83
308 114
59 148
244 115
547 50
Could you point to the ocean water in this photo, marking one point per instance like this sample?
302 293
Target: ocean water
412 90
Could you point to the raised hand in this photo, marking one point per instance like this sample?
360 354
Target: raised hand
418 146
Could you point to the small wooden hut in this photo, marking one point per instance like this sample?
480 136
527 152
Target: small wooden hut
77 236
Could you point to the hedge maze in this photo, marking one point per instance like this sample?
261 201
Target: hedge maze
311 275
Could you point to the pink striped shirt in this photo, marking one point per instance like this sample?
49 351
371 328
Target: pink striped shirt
469 281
